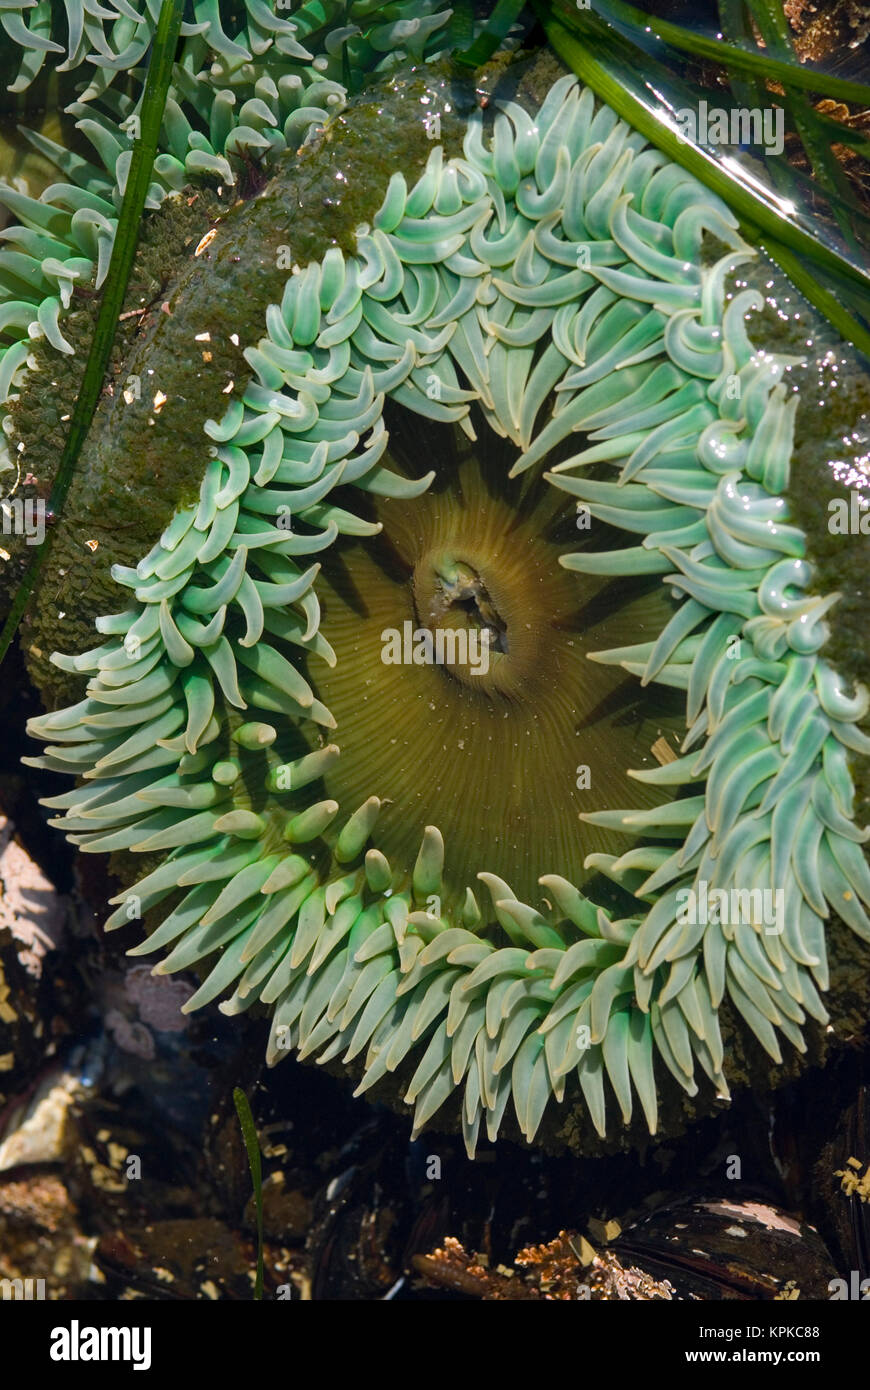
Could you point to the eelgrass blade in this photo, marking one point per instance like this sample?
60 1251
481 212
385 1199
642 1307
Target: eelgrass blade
252 1144
840 134
121 263
747 90
773 27
497 28
631 21
745 86
461 25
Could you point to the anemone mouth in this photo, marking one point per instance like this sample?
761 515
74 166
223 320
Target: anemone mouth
552 305
463 692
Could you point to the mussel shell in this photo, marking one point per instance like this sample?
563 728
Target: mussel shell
729 1247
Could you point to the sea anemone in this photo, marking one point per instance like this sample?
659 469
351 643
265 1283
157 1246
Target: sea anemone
419 897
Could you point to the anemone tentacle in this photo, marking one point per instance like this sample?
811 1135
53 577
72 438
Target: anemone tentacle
556 278
331 35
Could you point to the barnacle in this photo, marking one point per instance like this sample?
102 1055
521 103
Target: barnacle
550 277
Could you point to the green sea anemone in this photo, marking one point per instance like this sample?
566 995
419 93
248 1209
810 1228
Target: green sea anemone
519 343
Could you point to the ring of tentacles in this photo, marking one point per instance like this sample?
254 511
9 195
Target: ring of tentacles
557 284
